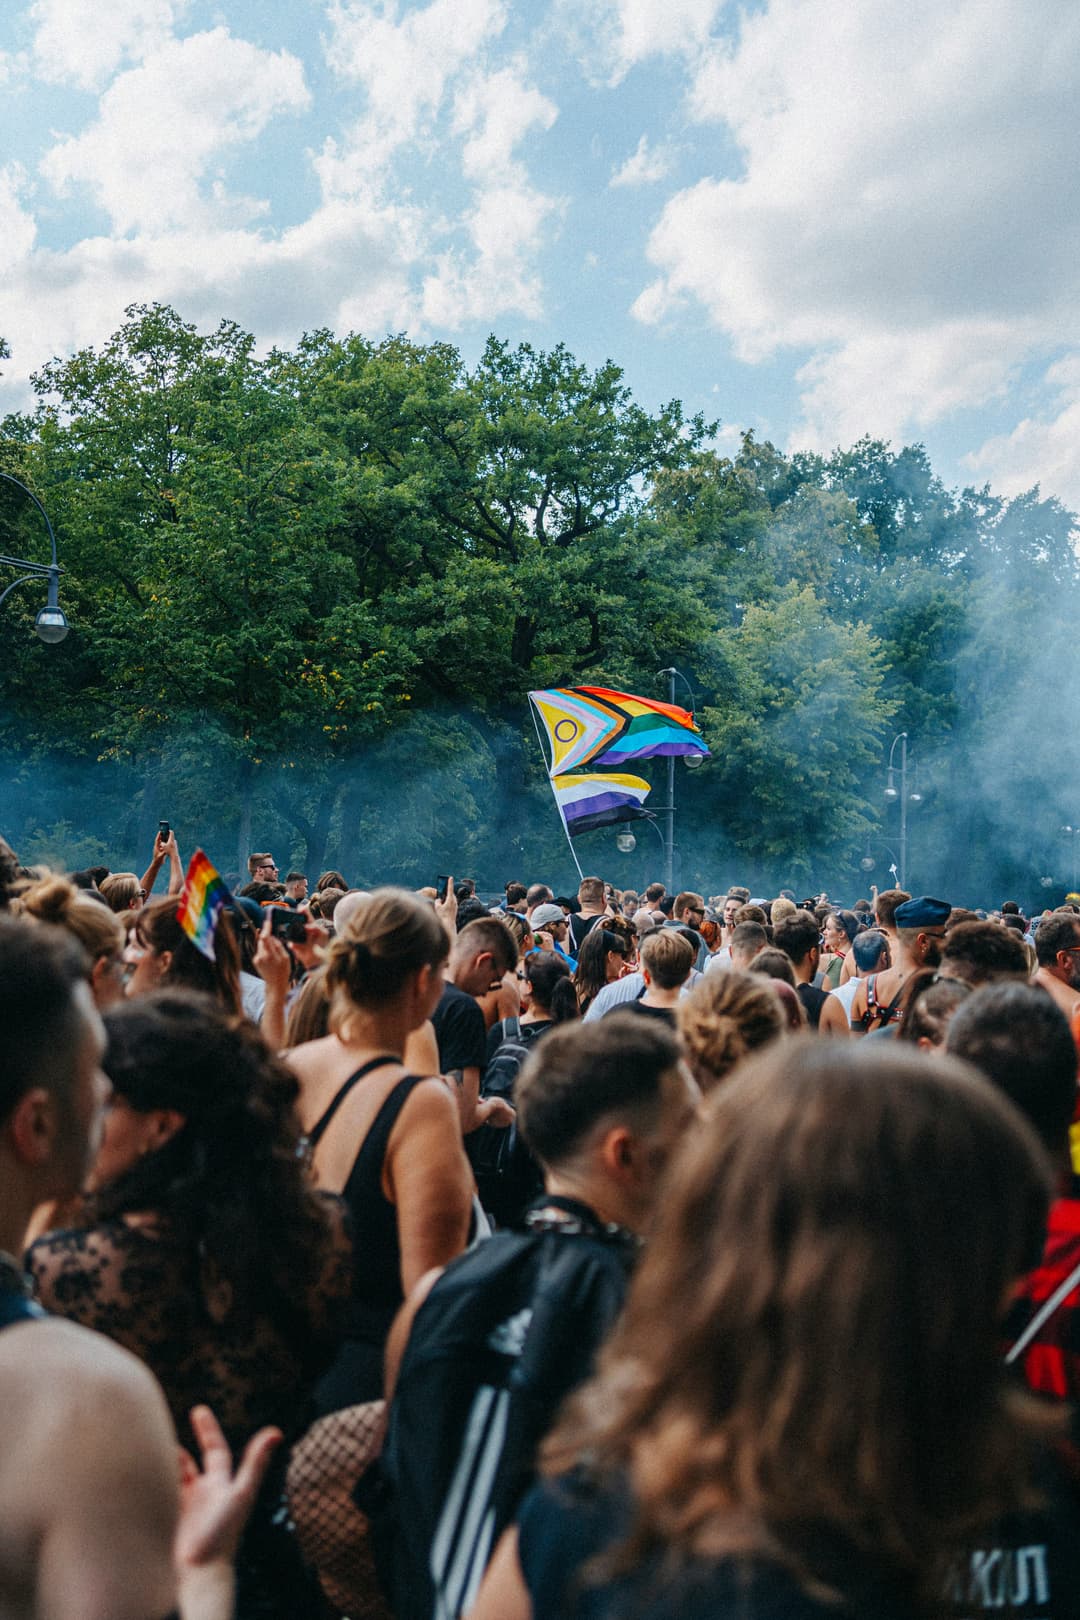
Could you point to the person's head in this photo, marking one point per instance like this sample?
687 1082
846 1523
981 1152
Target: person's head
549 918
200 1128
516 896
262 893
165 958
296 885
483 952
983 952
389 957
921 926
739 893
549 985
644 921
747 939
601 1106
781 908
871 952
538 895
724 1018
324 903
798 938
751 913
518 925
97 928
122 891
600 959
262 868
1057 946
689 908
309 1010
52 1089
591 893
331 880
773 963
812 1337
839 931
470 910
667 959
1009 908
1018 1037
731 906
885 908
926 1008
654 894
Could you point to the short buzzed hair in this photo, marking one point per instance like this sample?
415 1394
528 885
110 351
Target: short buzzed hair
39 969
581 1072
980 952
488 934
887 902
1058 932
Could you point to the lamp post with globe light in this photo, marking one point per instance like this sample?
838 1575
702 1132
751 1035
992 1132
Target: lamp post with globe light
893 793
668 810
51 623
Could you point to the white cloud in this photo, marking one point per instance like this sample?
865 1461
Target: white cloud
403 66
908 210
495 111
19 228
160 125
613 36
83 42
644 166
1039 450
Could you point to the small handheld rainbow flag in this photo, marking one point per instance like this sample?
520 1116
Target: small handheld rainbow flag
202 901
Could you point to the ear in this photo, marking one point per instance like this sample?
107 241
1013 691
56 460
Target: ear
164 1123
618 1154
165 958
32 1126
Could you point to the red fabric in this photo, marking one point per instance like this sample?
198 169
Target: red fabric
1051 1363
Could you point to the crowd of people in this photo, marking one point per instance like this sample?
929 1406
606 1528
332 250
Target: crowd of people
419 1255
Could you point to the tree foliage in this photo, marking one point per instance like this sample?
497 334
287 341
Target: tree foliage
311 590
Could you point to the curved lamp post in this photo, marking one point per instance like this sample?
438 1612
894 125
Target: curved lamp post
51 623
668 810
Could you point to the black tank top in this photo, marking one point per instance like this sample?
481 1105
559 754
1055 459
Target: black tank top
377 1290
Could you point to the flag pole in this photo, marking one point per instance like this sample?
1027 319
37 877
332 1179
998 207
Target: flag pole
562 818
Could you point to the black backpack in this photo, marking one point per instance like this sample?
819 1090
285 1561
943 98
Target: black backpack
508 1178
509 1329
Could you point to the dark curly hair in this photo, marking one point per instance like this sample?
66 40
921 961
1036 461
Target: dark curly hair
230 1182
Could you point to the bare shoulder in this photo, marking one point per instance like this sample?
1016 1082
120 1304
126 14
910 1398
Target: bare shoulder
88 1474
431 1102
313 1058
58 1376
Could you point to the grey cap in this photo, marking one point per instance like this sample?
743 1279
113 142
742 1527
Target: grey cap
545 915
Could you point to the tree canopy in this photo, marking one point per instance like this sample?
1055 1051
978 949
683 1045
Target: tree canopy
311 589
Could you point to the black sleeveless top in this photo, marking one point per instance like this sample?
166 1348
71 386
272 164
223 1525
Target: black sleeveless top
377 1292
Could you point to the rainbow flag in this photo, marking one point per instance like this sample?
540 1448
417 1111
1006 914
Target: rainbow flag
590 725
202 900
587 802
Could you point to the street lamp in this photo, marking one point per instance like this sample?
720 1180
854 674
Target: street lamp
625 842
51 623
692 761
892 793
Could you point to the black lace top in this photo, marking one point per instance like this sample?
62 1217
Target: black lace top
133 1281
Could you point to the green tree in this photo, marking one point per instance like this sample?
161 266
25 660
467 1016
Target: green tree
791 750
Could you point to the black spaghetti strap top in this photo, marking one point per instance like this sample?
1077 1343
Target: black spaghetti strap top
377 1291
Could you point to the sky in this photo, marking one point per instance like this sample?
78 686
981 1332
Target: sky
817 219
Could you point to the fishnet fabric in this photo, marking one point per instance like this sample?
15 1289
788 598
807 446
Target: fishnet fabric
332 1532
